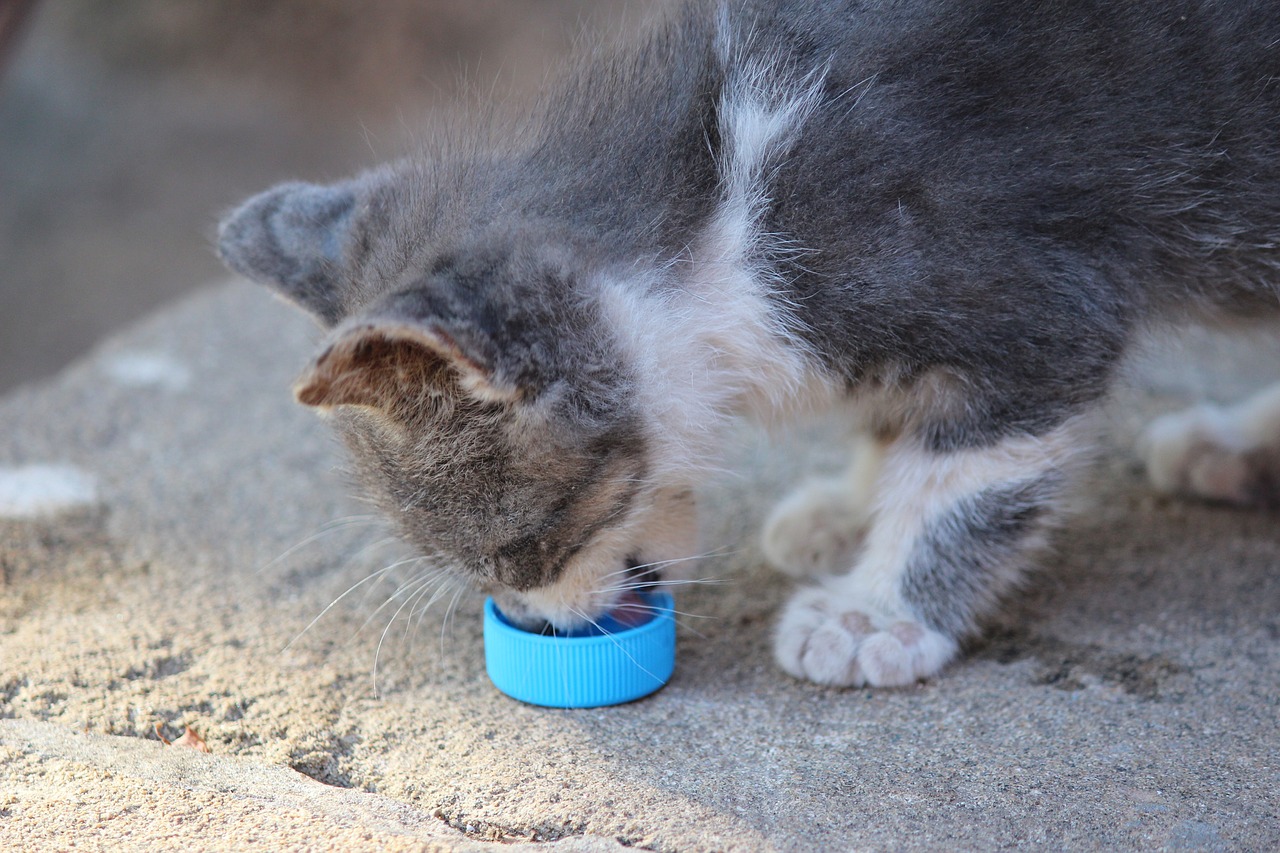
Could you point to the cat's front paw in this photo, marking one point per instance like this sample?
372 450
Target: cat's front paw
816 530
827 641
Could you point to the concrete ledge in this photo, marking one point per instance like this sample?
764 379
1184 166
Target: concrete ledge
173 524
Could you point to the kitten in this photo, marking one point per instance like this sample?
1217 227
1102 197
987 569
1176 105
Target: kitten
951 217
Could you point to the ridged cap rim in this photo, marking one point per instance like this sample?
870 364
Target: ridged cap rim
581 672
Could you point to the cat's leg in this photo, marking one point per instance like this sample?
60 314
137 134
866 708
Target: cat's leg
1229 454
819 528
951 533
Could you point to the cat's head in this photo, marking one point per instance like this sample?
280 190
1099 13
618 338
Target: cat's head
482 391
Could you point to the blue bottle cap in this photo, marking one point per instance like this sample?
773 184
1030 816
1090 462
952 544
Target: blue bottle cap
605 665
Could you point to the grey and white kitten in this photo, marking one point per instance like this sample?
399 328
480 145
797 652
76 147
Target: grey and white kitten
950 216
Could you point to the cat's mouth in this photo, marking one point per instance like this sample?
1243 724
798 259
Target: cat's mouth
625 606
630 610
642 577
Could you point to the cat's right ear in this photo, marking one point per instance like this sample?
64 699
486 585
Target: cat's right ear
293 238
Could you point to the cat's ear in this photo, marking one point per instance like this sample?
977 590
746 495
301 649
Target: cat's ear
293 238
393 366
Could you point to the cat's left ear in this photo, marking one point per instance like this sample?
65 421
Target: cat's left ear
295 238
391 366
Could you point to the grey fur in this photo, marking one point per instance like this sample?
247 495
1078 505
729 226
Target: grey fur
951 575
1021 184
505 490
291 238
995 192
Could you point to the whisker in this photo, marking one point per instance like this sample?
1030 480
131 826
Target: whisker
348 591
419 611
325 529
399 591
647 609
642 585
685 626
448 615
719 552
443 583
706 555
360 555
377 654
395 565
614 640
675 615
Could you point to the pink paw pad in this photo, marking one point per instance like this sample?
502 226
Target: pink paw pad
846 648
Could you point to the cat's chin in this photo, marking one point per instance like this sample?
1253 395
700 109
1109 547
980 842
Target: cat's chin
543 614
530 614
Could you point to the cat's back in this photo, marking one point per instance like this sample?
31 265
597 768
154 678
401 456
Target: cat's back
1139 136
1034 84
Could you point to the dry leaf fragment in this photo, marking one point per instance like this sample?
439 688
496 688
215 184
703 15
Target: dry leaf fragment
189 739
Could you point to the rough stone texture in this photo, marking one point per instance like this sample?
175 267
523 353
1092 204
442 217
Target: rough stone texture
1127 701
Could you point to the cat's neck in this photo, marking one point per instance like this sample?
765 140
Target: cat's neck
708 346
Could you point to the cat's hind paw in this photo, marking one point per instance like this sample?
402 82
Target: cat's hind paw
1228 455
822 640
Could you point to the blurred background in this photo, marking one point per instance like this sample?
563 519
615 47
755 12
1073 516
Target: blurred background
128 126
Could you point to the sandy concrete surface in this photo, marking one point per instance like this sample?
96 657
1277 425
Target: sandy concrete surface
127 126
178 545
177 528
